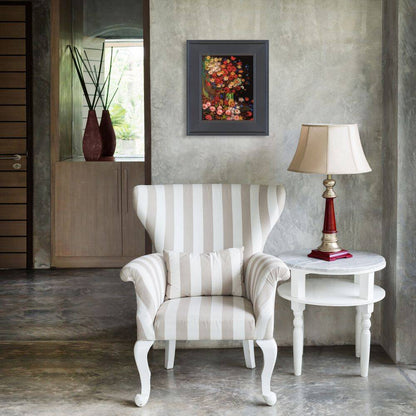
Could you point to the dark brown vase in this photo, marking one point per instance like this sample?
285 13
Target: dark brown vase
92 143
108 135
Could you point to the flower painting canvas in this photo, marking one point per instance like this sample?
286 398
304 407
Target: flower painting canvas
227 91
227 88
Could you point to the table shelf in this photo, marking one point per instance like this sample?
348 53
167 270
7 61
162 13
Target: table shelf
331 292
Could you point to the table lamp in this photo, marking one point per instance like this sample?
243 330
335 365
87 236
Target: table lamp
330 149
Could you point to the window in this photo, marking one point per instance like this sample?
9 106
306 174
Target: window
127 107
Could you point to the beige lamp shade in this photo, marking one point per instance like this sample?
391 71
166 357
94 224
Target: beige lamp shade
329 149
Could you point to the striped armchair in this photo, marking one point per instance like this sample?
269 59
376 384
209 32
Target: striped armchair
197 219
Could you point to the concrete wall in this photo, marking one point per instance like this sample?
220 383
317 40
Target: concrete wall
325 66
41 132
399 154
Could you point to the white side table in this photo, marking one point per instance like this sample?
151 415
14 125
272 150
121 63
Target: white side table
326 291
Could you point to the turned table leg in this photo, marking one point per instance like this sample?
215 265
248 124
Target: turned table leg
298 309
358 320
297 290
367 293
365 338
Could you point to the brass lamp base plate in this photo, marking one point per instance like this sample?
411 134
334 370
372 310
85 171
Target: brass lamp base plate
322 255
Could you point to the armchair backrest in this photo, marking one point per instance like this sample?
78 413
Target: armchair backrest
209 217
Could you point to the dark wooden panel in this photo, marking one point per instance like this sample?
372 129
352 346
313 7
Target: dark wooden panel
13 228
9 164
12 96
12 129
12 260
12 46
13 195
12 13
13 212
12 63
12 244
13 80
12 146
13 179
12 29
13 113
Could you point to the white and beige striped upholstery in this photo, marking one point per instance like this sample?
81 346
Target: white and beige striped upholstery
205 318
206 274
209 217
198 219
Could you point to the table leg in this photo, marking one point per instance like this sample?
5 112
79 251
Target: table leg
366 312
298 309
358 319
297 290
366 282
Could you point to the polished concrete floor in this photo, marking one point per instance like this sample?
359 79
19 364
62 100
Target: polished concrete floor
66 349
99 378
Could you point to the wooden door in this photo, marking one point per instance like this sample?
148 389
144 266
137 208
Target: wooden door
15 136
133 231
88 210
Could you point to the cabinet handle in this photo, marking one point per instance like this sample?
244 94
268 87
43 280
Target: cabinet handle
126 189
118 191
14 157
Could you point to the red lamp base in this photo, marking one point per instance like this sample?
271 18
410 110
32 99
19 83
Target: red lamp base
322 255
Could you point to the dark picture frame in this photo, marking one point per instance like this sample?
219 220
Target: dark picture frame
259 51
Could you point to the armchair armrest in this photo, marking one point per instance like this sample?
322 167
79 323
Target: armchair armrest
148 273
262 274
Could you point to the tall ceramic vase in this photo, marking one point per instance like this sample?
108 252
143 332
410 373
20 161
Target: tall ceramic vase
92 143
108 135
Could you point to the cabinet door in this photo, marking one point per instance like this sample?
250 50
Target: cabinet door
133 231
88 209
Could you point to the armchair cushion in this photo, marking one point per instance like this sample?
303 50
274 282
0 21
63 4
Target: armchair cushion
205 318
206 274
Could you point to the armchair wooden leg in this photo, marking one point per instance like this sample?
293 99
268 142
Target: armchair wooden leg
269 348
141 349
170 354
248 346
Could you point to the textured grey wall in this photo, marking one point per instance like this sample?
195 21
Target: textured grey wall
390 32
399 155
400 188
406 233
325 66
41 132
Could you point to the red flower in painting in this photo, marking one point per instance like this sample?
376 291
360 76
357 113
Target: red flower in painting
228 92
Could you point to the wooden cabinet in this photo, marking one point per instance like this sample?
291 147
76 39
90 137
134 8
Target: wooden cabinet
95 223
133 231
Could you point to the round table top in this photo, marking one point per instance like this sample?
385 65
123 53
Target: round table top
360 262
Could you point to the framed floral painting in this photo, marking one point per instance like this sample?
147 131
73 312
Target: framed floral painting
227 91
